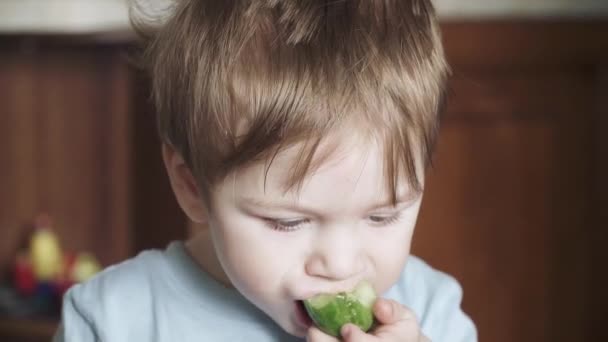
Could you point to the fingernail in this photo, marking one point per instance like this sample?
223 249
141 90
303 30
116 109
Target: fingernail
385 309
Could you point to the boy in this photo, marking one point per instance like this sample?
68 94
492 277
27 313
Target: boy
297 132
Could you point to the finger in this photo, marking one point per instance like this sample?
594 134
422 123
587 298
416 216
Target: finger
389 312
316 335
352 333
424 338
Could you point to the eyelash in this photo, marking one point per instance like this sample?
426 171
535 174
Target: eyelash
386 220
280 225
293 225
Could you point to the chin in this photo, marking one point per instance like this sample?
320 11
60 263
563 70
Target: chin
291 328
294 331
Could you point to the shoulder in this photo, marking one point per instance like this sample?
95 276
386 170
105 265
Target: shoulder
422 287
123 290
427 280
436 298
126 279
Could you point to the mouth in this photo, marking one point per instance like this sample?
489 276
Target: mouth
301 315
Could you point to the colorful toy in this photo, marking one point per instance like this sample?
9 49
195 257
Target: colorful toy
24 279
85 267
45 253
47 272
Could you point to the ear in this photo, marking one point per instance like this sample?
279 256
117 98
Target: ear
184 185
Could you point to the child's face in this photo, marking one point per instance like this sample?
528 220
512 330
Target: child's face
278 248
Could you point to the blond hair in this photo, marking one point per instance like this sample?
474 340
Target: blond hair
237 81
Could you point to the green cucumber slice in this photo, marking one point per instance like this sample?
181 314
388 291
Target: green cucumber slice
330 312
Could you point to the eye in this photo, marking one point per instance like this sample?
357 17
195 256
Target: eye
285 225
384 220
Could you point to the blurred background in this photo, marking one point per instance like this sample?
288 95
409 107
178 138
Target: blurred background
516 207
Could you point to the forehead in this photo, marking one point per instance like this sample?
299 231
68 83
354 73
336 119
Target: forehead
345 172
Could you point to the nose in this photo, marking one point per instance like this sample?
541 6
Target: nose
337 254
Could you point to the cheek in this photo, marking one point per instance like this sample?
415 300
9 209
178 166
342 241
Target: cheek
255 259
390 255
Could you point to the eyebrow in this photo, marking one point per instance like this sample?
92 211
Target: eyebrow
403 198
257 202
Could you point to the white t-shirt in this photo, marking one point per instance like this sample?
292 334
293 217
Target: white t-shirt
164 296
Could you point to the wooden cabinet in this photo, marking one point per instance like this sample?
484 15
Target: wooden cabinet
516 207
65 129
77 141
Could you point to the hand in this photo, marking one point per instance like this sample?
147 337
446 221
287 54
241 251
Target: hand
395 323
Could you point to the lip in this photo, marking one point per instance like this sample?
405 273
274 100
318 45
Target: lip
330 290
302 317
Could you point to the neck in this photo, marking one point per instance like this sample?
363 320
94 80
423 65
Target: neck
200 247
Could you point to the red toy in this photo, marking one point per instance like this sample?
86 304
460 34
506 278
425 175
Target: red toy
24 279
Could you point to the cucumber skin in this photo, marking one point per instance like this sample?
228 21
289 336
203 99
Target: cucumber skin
343 309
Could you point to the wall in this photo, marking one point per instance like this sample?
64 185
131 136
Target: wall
520 8
86 16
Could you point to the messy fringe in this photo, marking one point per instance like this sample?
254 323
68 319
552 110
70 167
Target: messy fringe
237 81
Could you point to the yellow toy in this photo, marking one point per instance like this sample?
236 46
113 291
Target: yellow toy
45 253
85 267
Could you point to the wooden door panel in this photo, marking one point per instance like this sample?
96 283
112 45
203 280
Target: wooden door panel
65 147
507 202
